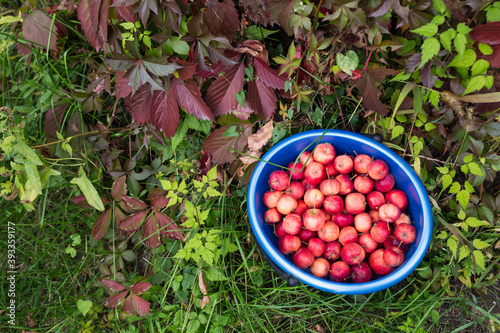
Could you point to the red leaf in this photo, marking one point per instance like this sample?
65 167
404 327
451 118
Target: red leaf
188 69
37 29
119 188
216 144
222 18
171 230
221 95
124 13
112 285
134 203
370 93
164 112
141 287
127 305
150 233
81 201
119 217
279 12
379 73
134 221
159 202
93 15
488 33
115 300
270 77
140 305
188 96
139 104
101 225
241 112
53 121
494 58
122 86
262 99
145 7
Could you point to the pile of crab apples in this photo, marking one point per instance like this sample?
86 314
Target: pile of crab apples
339 215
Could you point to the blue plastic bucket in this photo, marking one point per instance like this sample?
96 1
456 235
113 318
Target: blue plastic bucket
419 207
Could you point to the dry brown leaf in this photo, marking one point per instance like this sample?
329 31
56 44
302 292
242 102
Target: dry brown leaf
258 140
203 288
319 329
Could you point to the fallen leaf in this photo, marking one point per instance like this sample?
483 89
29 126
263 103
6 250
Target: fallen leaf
37 29
203 288
259 139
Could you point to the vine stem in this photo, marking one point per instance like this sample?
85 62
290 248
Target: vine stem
77 135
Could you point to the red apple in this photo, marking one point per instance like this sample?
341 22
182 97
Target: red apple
393 256
344 164
314 219
348 235
307 185
377 263
405 233
305 235
314 198
361 273
343 219
389 212
286 204
315 173
292 224
363 222
363 183
385 184
328 217
332 250
272 216
329 232
278 180
324 153
306 158
333 204
271 198
303 258
375 199
374 215
329 187
378 169
380 232
297 173
279 232
367 243
340 271
331 171
361 163
398 198
403 219
346 185
317 246
352 254
320 267
296 190
393 242
301 207
289 243
355 203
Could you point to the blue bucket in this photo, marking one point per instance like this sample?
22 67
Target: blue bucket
419 207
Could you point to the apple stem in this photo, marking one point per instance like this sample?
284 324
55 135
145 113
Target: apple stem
400 244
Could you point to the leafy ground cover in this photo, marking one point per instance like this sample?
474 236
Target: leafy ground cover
130 130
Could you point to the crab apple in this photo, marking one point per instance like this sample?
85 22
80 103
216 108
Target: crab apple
361 273
393 256
405 233
315 173
297 173
279 232
305 235
306 158
348 235
333 204
331 171
377 263
329 232
301 207
343 219
314 198
332 250
355 203
286 204
346 185
292 224
375 199
352 254
393 242
324 153
374 215
362 222
296 190
344 164
329 187
378 169
317 246
278 180
361 163
363 184
380 232
289 243
367 243
272 216
271 198
385 184
339 271
303 258
328 217
320 267
398 198
307 185
389 212
403 219
313 219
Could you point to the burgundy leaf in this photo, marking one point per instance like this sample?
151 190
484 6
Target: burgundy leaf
145 7
270 77
384 8
115 300
254 48
122 87
119 217
217 145
139 104
150 233
37 29
101 225
379 73
221 95
81 201
168 227
134 203
53 121
279 12
138 77
112 285
141 287
488 33
262 99
119 188
188 96
187 71
140 305
127 305
241 112
93 15
164 112
370 94
222 18
494 58
124 13
134 221
159 202
257 11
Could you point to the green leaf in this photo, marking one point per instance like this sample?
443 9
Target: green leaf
480 67
84 306
213 192
212 173
259 33
475 222
476 83
443 170
231 131
71 251
349 62
26 152
33 176
469 187
489 81
193 326
485 48
430 48
463 29
468 158
460 42
180 46
428 30
479 258
455 188
475 169
434 98
492 128
127 25
438 19
463 253
439 5
446 37
240 98
493 14
7 19
452 245
466 61
463 198
429 127
480 244
88 190
397 131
